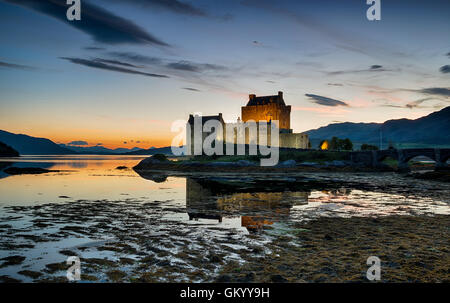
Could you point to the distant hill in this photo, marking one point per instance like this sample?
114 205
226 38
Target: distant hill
152 151
99 150
7 151
27 145
431 130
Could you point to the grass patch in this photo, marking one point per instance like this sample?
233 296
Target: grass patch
299 156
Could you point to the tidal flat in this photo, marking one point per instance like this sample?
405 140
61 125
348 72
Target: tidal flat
288 227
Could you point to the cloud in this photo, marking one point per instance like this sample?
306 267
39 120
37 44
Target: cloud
438 91
191 89
94 48
174 6
445 69
372 68
183 65
325 100
194 67
417 103
77 143
410 105
136 58
104 66
335 84
100 24
448 54
116 62
16 66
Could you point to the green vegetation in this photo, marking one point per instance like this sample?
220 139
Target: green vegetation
225 158
318 156
160 157
390 162
338 144
313 155
369 147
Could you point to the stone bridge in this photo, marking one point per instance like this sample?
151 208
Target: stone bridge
375 157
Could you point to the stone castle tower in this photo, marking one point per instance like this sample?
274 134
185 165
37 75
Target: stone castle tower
264 108
273 108
267 108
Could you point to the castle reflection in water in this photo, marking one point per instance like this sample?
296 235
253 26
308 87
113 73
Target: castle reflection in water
257 207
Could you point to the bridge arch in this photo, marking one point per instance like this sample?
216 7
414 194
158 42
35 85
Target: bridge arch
411 156
445 158
382 155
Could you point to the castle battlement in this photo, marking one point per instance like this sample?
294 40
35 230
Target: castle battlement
267 108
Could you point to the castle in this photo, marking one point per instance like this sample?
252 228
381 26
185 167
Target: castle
263 108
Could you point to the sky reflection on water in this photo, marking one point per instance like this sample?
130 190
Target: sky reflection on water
89 205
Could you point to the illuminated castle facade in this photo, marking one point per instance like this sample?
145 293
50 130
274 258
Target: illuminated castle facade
263 108
273 108
267 108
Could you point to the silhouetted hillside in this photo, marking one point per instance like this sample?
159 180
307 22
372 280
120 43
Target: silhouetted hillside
429 130
152 151
7 151
98 150
27 145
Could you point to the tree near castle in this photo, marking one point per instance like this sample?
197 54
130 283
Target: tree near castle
338 144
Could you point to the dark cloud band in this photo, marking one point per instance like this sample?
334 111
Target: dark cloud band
325 100
16 66
438 91
445 69
97 22
174 6
104 66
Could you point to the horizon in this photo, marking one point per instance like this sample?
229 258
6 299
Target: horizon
122 85
131 147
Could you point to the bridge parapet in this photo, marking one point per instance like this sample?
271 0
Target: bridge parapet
403 156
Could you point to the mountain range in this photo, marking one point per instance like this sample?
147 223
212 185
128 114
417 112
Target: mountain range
98 150
430 130
27 145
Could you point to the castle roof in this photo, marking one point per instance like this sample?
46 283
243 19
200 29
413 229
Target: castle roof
264 100
206 118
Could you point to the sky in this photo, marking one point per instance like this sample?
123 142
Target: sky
123 74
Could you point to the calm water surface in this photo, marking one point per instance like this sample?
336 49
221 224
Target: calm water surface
216 208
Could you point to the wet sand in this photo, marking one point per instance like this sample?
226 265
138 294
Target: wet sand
221 227
131 241
411 249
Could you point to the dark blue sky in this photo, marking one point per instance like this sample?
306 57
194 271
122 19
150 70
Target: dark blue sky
131 67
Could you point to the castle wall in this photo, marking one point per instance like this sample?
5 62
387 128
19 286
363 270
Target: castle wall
265 108
286 139
268 112
294 140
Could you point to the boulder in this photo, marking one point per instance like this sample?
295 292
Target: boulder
245 163
287 163
221 164
309 164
